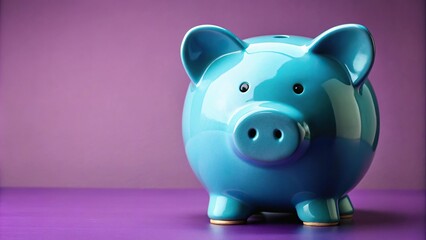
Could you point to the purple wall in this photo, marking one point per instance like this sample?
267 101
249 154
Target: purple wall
91 92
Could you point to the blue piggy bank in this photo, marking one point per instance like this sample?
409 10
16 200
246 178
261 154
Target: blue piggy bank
279 123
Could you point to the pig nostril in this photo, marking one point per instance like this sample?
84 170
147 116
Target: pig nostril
278 134
252 133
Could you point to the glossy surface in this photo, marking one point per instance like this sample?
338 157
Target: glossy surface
299 137
267 135
40 214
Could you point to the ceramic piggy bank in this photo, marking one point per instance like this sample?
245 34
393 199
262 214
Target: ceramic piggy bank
279 123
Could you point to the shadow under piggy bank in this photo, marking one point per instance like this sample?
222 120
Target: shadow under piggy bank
266 225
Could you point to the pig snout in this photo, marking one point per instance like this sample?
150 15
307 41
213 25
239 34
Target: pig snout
267 136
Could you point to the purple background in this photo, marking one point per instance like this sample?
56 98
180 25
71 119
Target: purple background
91 92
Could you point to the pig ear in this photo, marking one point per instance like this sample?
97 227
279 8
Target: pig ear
351 45
204 44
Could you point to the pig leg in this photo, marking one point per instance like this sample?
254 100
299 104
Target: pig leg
227 211
346 208
318 212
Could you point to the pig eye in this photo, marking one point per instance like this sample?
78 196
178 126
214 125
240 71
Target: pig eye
244 87
298 88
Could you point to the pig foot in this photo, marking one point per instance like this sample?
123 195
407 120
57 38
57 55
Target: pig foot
318 212
346 208
227 211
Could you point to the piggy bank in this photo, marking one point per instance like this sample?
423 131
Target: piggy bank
279 123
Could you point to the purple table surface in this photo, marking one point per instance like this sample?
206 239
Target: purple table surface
181 214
